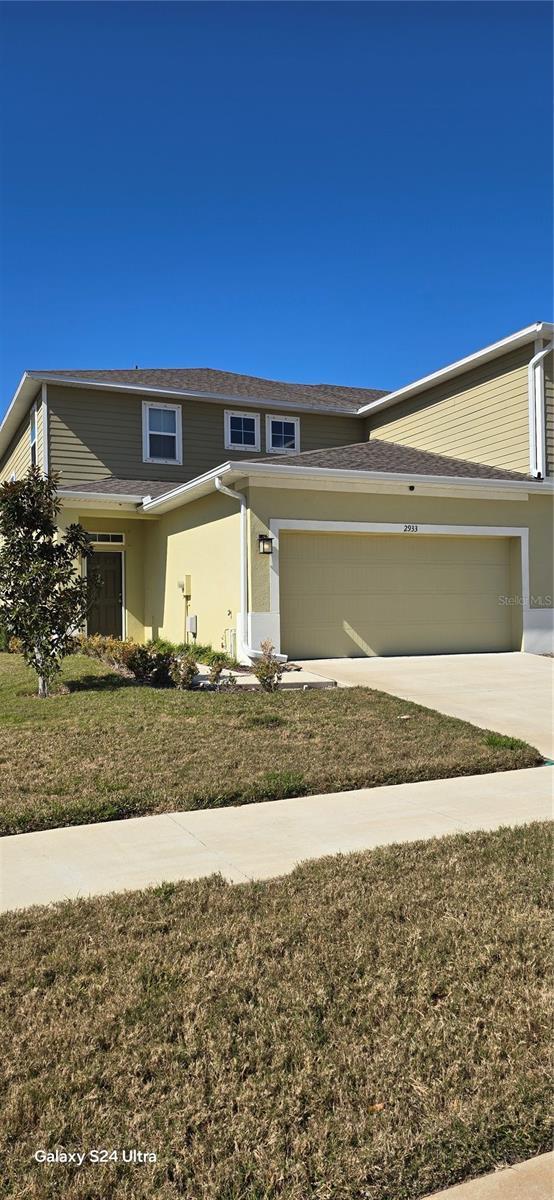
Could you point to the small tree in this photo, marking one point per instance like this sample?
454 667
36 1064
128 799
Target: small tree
43 599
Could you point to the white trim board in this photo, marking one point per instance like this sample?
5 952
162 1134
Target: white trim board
402 529
147 432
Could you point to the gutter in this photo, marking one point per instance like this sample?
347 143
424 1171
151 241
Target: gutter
113 497
244 650
495 350
202 484
535 392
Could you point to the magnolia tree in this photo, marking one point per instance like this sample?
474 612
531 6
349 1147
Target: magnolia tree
43 598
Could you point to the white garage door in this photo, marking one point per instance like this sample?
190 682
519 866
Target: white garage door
347 595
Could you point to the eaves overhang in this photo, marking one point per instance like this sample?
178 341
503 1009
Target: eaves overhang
541 329
256 473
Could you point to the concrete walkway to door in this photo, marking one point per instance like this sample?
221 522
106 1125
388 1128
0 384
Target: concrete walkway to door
510 693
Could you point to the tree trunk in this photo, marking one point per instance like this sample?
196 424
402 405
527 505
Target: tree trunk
42 687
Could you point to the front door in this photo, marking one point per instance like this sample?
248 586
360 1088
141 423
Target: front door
105 614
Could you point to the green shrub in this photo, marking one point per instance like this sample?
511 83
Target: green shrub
267 669
162 646
215 673
149 666
202 653
184 671
111 650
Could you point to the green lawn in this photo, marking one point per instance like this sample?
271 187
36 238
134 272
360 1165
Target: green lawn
371 1027
104 748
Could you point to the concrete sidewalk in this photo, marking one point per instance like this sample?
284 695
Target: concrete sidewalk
531 1180
258 841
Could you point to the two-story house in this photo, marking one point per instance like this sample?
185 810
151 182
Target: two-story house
336 521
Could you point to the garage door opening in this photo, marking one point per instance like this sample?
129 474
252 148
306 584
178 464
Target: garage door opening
359 595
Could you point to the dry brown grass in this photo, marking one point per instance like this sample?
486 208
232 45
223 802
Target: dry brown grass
371 1027
107 749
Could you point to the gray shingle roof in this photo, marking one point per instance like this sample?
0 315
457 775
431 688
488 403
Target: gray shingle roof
375 455
230 384
119 487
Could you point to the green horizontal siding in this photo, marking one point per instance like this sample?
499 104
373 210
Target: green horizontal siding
94 434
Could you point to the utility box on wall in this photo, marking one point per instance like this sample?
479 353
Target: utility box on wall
192 624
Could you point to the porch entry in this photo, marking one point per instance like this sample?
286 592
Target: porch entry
106 612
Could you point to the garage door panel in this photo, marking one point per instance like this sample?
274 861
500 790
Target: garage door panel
425 579
429 639
364 594
389 609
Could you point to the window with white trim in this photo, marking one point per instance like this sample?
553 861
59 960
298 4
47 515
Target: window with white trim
162 439
282 434
33 435
242 431
117 538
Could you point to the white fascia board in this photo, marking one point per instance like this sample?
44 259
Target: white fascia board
394 476
99 497
191 394
255 473
192 489
495 350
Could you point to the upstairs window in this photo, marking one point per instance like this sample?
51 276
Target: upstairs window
282 434
33 435
162 440
242 431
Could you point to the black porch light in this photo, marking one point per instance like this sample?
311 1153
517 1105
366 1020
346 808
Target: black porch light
265 543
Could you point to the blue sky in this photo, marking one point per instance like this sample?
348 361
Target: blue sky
350 193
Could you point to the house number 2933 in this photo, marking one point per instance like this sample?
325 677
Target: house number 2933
410 529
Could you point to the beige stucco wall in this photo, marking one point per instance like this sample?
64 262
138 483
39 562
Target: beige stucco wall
536 513
481 415
200 540
96 433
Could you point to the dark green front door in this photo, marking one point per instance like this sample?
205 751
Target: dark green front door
105 615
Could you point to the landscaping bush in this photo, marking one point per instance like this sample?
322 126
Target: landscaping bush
148 665
183 672
111 650
201 653
14 645
268 669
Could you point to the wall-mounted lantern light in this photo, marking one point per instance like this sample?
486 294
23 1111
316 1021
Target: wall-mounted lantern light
265 543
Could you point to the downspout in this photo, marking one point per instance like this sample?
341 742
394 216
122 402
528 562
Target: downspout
243 647
535 393
244 650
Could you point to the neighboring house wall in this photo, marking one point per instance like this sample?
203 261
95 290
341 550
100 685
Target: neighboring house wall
535 513
200 540
94 434
549 400
482 416
17 459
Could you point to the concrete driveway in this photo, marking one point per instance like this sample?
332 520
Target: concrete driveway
511 693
